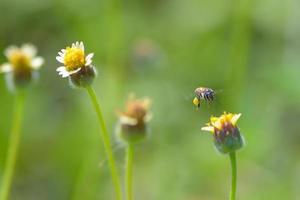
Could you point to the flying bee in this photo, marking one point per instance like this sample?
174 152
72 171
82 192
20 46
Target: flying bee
203 93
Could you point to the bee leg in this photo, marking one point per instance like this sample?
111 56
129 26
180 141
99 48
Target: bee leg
208 101
211 97
198 105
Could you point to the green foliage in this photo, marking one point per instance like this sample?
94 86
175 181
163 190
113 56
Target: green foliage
247 50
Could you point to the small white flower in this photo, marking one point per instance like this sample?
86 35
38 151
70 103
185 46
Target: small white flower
20 59
73 59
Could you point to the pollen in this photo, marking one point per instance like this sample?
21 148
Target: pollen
74 58
196 101
19 60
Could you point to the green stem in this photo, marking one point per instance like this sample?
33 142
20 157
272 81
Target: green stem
13 147
128 168
232 156
106 141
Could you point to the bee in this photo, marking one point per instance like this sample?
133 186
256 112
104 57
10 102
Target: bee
203 93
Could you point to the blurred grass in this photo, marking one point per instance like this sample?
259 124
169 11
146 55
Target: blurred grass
161 49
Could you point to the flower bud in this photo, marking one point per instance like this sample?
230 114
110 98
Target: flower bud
84 77
133 123
227 136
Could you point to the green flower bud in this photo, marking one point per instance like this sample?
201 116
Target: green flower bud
133 123
132 133
84 77
227 142
20 81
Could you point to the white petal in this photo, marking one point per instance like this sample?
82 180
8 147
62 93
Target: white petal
75 71
88 59
76 45
29 50
61 68
37 62
61 54
208 128
89 56
81 46
10 50
88 62
64 73
128 120
6 67
60 59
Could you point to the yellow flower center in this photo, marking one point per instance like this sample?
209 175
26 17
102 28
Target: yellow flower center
219 122
19 60
74 58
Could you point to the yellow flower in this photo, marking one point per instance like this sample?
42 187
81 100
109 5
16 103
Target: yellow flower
221 122
21 60
225 131
74 59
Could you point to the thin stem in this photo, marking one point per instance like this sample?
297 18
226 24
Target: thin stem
128 168
232 156
106 141
13 147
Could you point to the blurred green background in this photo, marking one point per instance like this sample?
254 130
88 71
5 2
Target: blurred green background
247 50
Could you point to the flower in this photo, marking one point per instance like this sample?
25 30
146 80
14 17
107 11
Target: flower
133 121
21 59
74 59
225 131
22 63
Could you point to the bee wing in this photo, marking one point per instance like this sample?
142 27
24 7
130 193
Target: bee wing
187 96
218 91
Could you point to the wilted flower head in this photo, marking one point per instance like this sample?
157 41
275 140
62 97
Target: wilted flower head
21 66
225 131
133 121
76 65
